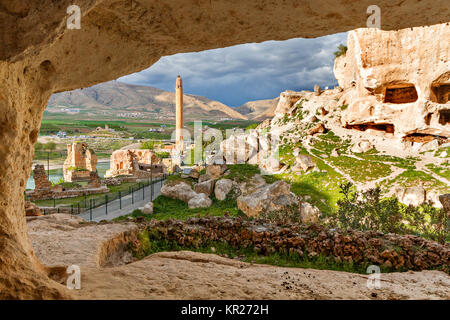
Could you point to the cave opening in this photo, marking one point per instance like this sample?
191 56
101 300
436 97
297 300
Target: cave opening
405 93
444 116
386 127
424 138
440 93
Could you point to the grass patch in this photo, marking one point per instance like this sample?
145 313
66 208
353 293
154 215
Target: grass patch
361 170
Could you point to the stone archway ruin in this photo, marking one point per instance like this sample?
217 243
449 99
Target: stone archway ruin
40 56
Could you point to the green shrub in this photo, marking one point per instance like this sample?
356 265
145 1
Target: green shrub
368 211
342 50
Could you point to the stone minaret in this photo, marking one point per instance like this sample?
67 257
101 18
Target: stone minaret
179 114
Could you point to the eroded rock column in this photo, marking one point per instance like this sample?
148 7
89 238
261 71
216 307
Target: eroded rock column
24 92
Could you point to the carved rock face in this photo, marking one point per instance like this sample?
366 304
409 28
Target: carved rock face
397 82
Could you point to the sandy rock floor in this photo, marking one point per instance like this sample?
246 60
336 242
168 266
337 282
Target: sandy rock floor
190 275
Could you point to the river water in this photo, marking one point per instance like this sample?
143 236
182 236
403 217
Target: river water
58 174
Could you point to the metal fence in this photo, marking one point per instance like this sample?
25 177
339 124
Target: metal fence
95 206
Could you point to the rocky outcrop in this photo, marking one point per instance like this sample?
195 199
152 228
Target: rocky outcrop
148 208
274 197
308 213
215 171
414 196
32 210
386 86
304 163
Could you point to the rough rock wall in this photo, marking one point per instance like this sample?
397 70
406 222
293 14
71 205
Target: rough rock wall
399 79
40 56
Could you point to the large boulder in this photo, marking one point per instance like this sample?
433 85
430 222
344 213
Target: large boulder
223 188
274 197
304 162
181 191
205 187
201 200
308 213
319 128
215 171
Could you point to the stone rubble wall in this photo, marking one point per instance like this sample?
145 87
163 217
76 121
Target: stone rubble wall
397 252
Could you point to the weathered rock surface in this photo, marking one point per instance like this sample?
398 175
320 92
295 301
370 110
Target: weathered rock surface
386 86
201 200
252 185
361 146
194 174
445 200
223 188
32 210
414 196
274 197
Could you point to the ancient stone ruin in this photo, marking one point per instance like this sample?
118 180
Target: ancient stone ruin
139 163
41 181
79 163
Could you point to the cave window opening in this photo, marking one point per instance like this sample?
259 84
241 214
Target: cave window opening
428 119
441 93
444 116
424 138
405 93
386 127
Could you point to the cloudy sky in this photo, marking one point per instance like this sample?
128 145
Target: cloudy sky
242 73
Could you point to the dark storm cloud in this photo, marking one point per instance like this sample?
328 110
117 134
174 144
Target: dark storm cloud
253 71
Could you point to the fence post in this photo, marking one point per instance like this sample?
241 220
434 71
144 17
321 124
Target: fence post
54 203
143 191
106 203
120 200
90 210
132 195
78 207
71 209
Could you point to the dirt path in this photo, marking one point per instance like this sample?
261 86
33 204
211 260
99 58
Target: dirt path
61 239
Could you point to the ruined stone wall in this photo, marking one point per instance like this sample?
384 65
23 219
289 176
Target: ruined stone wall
126 162
395 252
79 156
41 181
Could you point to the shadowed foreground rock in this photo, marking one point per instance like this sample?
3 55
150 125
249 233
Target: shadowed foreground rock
39 55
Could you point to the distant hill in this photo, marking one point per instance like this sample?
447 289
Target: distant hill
118 100
258 109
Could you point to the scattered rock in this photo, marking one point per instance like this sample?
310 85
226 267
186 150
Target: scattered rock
205 187
308 213
319 128
32 210
223 188
148 208
194 174
362 146
414 196
335 153
274 197
304 162
215 171
181 191
256 182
